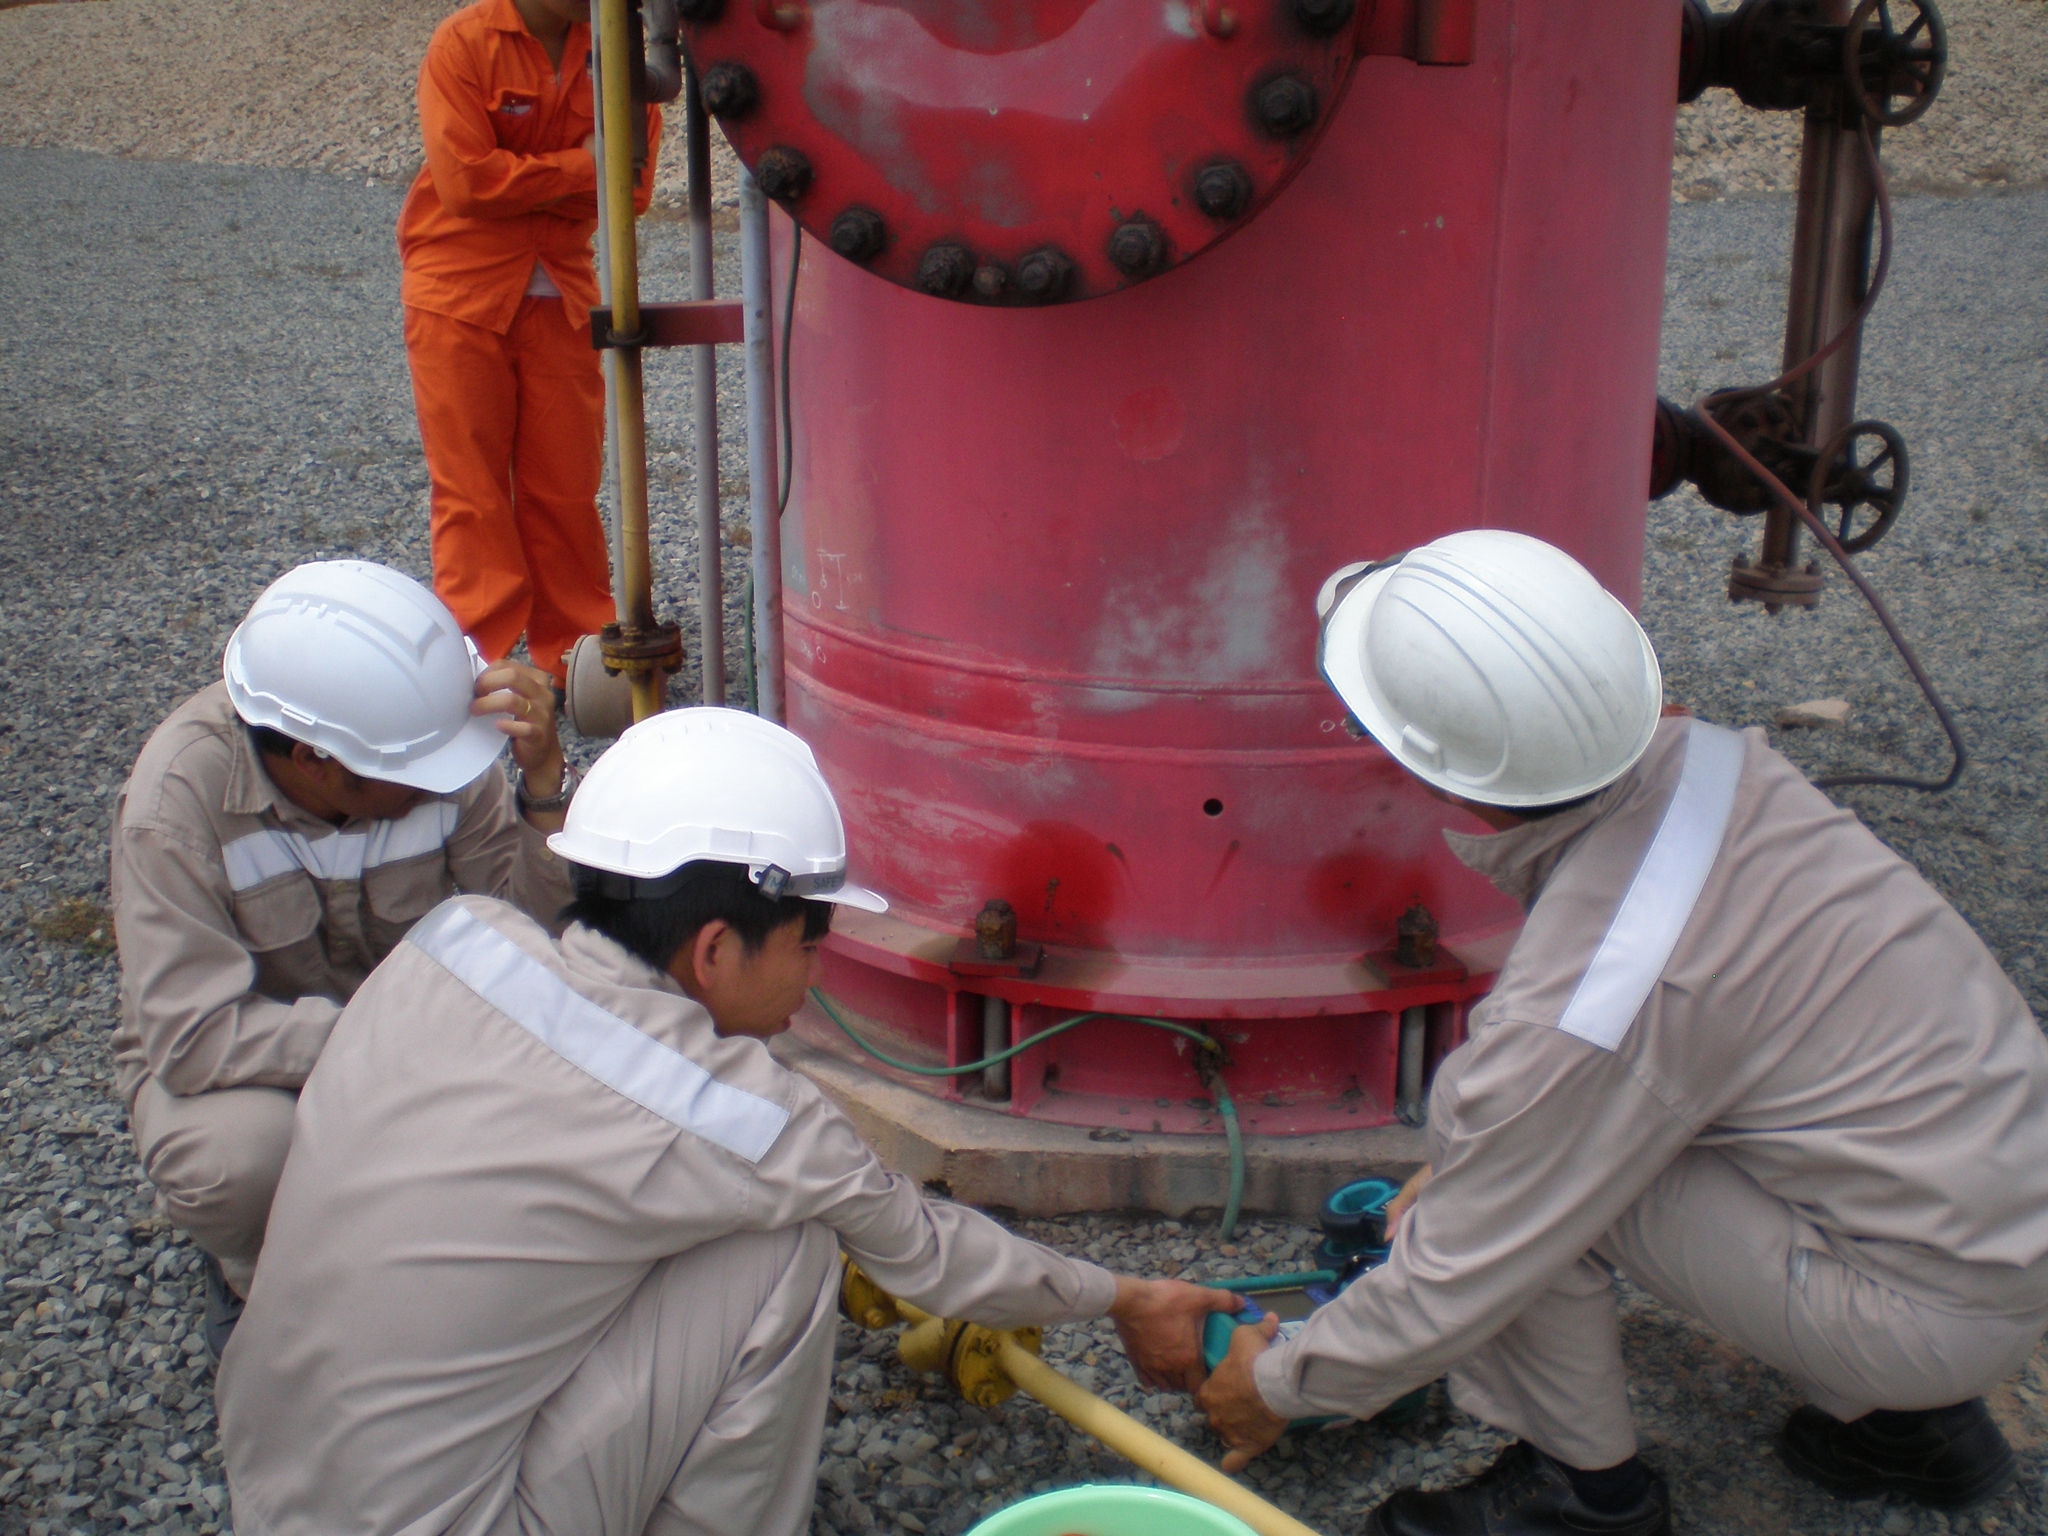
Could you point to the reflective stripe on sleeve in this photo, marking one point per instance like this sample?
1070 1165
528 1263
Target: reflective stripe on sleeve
1667 884
654 1076
265 855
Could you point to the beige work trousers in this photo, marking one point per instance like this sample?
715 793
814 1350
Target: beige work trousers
1709 1240
701 1409
215 1159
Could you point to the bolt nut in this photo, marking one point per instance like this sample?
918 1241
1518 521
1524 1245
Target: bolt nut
729 90
1324 18
1045 275
1138 248
784 173
995 930
858 234
990 280
1284 106
1223 189
945 271
700 13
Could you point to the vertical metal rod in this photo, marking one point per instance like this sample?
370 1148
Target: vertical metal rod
636 565
995 1036
1408 1077
763 517
704 400
1830 270
608 359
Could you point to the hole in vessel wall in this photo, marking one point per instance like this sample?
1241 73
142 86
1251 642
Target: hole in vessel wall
1212 807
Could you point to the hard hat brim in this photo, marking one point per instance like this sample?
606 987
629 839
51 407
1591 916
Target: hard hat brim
455 763
858 897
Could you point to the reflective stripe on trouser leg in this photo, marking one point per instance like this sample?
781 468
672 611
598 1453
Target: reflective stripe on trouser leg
702 1407
1554 1377
466 397
215 1159
557 466
1709 1240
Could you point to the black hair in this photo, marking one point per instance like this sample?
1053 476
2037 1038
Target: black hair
269 740
656 928
1545 812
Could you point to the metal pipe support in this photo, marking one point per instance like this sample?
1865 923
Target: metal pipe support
763 497
704 402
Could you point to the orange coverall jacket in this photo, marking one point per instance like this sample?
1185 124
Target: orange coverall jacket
507 181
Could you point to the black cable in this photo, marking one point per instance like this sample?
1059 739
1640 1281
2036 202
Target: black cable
796 251
1810 514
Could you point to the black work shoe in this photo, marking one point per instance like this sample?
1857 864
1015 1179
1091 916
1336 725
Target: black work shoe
1946 1457
223 1308
1522 1494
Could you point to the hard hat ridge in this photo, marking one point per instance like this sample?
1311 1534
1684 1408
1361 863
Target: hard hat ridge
1494 666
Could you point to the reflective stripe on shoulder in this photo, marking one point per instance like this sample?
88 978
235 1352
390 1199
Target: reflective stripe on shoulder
272 852
654 1076
1667 884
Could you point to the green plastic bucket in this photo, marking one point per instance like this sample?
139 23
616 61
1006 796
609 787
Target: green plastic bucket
1112 1509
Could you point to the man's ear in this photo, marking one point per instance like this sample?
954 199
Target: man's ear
313 763
710 952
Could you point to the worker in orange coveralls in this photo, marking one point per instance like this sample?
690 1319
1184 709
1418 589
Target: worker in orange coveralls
495 238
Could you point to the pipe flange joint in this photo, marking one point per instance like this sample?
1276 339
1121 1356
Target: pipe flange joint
641 650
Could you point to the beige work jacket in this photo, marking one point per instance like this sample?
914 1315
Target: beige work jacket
503 1137
1715 955
244 922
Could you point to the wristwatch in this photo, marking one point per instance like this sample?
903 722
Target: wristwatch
550 803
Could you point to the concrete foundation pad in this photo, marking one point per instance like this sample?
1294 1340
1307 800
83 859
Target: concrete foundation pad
1038 1169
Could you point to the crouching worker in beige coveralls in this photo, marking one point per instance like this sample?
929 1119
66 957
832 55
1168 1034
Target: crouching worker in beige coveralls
280 832
1740 1052
556 1248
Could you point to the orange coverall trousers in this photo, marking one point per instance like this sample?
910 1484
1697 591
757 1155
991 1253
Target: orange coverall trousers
513 428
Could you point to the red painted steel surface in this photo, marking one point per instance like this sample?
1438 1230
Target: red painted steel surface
1029 126
1050 572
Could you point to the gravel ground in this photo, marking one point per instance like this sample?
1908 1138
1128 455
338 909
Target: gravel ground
202 383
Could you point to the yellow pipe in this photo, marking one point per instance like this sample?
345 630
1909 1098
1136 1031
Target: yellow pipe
1144 1448
636 577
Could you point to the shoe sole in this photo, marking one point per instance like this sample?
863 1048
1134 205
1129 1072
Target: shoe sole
1934 1496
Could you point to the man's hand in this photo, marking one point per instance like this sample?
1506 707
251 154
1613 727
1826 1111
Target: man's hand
1160 1322
1236 1412
523 698
1398 1206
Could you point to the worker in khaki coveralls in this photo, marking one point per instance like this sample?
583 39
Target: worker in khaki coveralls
556 1249
1740 1052
281 831
498 288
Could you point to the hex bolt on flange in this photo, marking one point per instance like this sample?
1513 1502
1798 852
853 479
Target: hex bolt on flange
1324 18
995 930
1223 189
1284 106
784 173
1044 275
858 234
945 271
1138 247
729 90
990 280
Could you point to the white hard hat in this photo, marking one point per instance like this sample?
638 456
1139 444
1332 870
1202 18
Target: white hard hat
369 667
1493 666
713 784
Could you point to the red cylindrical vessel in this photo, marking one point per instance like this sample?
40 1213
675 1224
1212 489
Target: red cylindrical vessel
1050 573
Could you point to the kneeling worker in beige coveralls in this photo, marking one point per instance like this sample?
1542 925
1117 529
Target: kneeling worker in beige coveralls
556 1248
1740 1052
281 831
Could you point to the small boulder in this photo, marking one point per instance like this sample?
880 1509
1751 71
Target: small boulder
1814 715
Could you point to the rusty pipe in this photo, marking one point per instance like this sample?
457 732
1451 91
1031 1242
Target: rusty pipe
636 564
